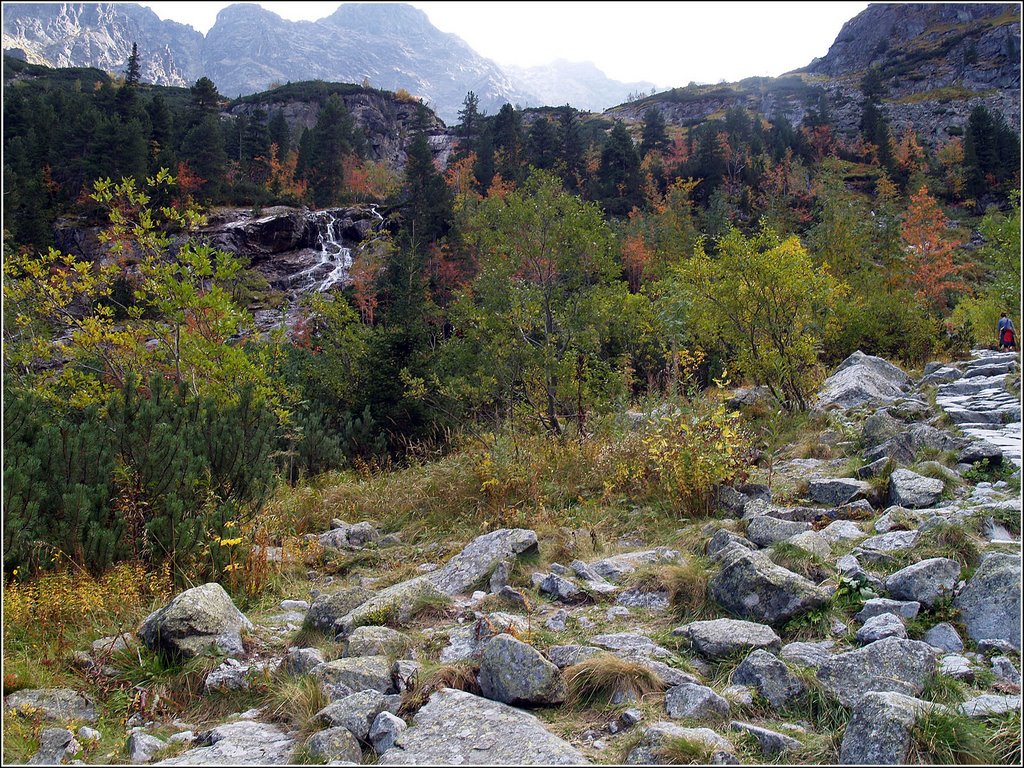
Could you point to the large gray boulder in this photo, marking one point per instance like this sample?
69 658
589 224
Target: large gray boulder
861 379
616 567
722 638
397 603
355 713
198 620
327 608
349 536
990 602
752 586
880 729
764 672
837 491
765 530
377 641
359 673
695 702
514 672
242 742
926 582
889 665
909 489
475 564
458 728
52 703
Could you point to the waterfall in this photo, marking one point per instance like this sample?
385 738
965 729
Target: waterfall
332 258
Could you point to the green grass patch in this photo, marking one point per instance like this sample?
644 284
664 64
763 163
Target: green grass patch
946 737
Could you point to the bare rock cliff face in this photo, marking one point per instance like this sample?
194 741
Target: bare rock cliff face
387 122
101 35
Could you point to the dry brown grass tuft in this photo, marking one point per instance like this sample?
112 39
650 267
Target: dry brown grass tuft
606 677
459 675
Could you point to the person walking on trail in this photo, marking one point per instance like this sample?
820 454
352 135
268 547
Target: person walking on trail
1007 333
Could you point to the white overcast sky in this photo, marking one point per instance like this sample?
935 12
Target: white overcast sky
666 43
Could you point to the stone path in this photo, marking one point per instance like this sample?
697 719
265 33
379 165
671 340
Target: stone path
973 393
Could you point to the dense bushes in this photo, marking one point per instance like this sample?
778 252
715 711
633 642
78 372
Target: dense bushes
151 474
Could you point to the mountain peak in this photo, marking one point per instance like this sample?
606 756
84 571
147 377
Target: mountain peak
383 18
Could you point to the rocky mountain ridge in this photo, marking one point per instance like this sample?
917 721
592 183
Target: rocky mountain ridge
937 62
249 49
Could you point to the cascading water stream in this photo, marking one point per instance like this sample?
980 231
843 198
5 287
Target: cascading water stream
333 258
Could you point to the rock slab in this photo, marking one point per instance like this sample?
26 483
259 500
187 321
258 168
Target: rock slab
455 728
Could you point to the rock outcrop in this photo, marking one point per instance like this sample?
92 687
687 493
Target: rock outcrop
198 620
456 728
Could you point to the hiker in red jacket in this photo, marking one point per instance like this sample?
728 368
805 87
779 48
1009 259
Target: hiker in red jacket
1007 333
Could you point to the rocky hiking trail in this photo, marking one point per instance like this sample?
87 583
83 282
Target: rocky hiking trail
819 620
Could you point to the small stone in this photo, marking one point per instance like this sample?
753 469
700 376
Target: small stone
880 627
631 716
294 605
722 539
770 677
990 704
300 661
632 644
334 744
836 491
142 747
909 489
385 731
944 637
740 695
876 606
562 589
926 582
52 704
808 654
377 641
85 733
813 542
556 622
656 602
956 666
404 673
771 742
55 745
514 672
765 531
563 656
880 729
1004 670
